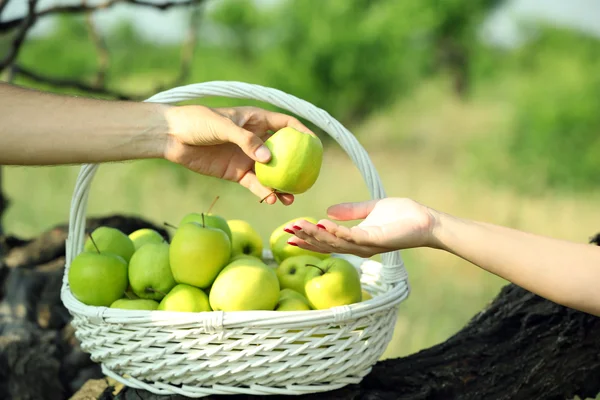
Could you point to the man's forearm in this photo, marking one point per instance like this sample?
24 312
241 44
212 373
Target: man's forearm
564 272
39 128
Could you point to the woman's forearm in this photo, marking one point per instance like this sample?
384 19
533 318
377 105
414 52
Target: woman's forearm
561 271
38 128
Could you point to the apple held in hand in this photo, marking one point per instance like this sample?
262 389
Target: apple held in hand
198 253
150 273
244 238
295 164
145 236
135 304
292 272
110 240
245 285
185 298
331 283
98 279
290 300
208 220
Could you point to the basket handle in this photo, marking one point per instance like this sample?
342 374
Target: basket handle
393 270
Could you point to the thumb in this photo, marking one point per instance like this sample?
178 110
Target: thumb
250 144
350 211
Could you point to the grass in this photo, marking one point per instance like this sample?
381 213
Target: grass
421 148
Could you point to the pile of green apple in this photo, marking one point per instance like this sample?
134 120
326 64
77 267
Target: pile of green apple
210 264
215 264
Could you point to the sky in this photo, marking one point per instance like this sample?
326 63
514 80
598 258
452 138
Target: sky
501 28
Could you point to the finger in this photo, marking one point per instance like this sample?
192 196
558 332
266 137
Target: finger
355 235
285 198
295 241
250 143
250 181
319 236
350 211
276 121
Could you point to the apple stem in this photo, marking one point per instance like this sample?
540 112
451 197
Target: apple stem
269 195
128 295
319 268
212 204
169 225
94 243
152 290
203 224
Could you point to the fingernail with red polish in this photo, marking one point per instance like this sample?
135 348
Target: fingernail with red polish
296 227
289 231
292 244
321 226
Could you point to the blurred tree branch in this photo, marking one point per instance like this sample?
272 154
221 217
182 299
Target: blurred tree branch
84 7
12 68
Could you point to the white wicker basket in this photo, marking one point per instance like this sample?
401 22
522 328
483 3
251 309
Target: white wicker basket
251 352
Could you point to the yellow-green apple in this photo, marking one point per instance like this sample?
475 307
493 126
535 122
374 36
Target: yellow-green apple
98 279
208 220
333 282
185 298
245 285
290 300
246 260
244 238
244 257
198 253
135 304
366 295
144 236
295 163
150 273
110 240
292 272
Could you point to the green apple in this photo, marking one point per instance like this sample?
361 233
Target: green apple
198 253
208 220
244 238
98 279
145 236
292 271
245 257
331 283
282 251
246 260
135 304
245 285
290 300
150 273
110 240
295 163
185 298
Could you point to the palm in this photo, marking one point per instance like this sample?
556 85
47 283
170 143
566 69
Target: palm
396 223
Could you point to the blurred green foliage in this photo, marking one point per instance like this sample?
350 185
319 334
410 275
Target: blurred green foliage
354 58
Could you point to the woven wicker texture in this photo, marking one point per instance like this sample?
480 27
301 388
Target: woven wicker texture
253 352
